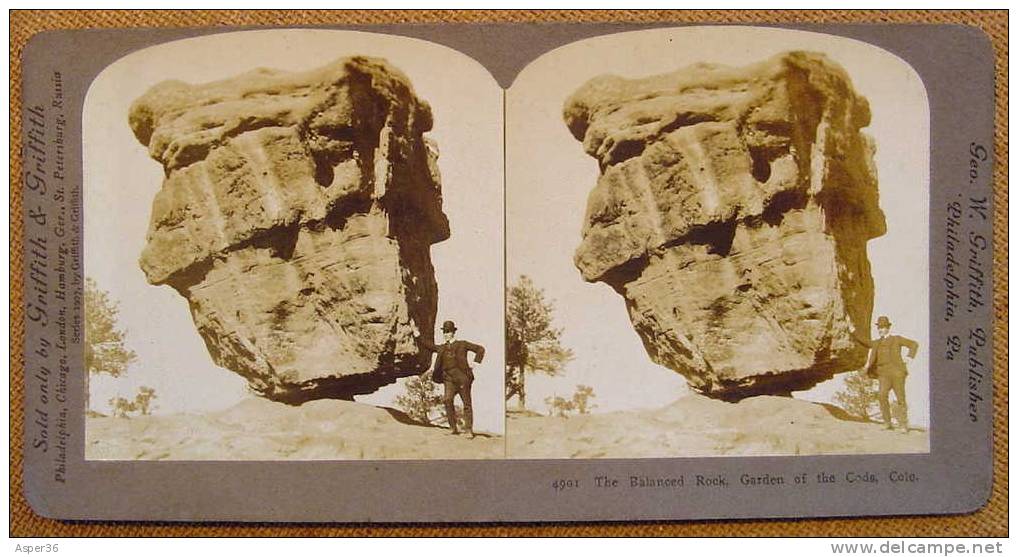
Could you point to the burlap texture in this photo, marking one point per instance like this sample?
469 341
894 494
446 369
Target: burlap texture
990 521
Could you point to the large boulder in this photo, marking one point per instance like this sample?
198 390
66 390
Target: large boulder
732 213
296 217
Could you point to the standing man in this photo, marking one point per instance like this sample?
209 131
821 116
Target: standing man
452 370
885 362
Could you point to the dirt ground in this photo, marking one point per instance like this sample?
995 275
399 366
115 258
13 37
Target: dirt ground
698 426
692 426
259 429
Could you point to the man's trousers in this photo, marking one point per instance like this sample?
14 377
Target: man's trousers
893 382
458 382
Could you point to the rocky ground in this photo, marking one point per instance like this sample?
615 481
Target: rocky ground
259 429
698 426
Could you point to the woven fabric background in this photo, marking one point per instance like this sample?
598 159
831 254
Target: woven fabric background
989 521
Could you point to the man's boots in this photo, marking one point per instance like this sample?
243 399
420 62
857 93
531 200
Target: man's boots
901 414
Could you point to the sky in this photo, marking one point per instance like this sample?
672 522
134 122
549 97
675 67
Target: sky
121 180
550 176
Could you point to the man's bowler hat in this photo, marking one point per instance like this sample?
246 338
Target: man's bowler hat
448 327
883 321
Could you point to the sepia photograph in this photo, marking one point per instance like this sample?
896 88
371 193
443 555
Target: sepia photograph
717 245
499 273
288 251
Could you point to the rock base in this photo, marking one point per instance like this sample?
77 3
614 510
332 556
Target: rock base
697 426
259 429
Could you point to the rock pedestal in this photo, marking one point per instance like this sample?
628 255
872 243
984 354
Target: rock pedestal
296 217
732 213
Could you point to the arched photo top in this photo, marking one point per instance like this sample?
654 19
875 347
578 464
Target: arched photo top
551 179
209 57
122 184
633 54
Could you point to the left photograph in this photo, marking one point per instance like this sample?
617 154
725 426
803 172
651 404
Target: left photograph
288 251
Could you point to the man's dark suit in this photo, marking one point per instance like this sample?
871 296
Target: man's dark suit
452 370
885 359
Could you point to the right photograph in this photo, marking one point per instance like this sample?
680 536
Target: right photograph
717 245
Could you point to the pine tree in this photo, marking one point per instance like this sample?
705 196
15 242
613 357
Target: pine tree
580 402
143 400
420 399
581 399
105 348
559 406
858 397
533 344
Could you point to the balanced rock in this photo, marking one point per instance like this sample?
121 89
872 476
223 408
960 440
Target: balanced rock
296 217
732 213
